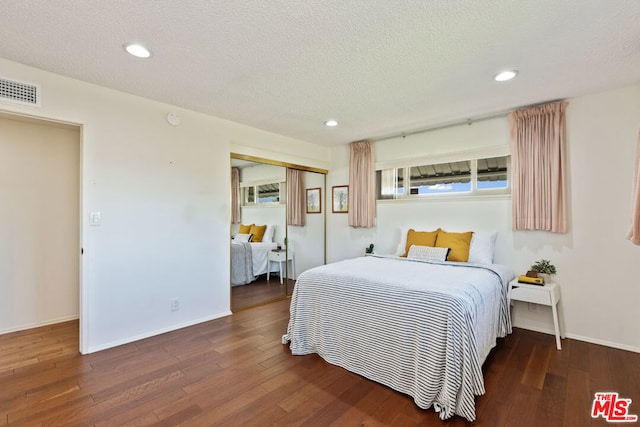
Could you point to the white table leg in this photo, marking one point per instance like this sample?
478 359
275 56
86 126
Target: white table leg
563 329
280 264
556 326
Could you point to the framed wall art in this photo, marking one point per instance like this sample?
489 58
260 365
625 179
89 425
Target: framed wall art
340 198
314 200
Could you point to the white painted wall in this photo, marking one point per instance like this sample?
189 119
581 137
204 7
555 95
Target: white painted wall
263 173
595 263
265 214
308 241
39 223
164 196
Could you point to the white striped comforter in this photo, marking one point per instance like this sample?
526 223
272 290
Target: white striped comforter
421 328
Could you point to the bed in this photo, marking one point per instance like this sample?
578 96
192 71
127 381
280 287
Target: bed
421 327
249 260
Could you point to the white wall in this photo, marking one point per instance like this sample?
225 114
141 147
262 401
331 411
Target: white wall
308 241
265 214
164 196
263 173
595 263
39 223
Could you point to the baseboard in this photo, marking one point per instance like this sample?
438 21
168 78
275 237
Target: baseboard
156 332
583 338
39 324
605 343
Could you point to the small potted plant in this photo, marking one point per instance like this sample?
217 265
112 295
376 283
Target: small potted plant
542 268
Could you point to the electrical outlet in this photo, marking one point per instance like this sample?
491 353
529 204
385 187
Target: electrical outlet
175 304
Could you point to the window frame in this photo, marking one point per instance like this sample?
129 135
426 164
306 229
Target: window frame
244 186
470 156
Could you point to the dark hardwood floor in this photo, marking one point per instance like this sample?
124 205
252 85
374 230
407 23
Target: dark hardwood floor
235 371
257 292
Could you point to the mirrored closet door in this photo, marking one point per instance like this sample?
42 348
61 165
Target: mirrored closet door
259 228
267 254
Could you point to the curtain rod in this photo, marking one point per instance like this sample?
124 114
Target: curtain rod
443 126
465 122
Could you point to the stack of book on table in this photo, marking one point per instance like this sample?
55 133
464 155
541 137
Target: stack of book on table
531 280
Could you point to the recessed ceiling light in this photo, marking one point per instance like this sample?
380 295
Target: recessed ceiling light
136 49
503 76
331 123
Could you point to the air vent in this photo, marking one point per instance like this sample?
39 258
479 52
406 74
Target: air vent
19 92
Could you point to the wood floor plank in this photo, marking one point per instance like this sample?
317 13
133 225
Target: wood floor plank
313 390
578 399
537 366
551 405
49 414
181 405
621 378
492 408
148 410
345 393
599 369
359 413
141 421
578 356
256 292
230 408
234 371
522 407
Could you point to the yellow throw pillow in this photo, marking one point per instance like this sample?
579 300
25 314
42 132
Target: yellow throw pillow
258 232
245 229
420 238
458 243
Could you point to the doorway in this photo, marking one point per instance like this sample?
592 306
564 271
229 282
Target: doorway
39 222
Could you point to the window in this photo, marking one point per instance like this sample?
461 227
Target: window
249 195
492 173
441 178
471 177
268 193
389 183
253 194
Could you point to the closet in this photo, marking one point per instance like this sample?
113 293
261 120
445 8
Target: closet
267 251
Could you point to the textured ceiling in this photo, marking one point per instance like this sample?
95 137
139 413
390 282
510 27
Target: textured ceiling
379 67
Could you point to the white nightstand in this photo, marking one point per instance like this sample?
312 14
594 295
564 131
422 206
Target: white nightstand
549 294
280 257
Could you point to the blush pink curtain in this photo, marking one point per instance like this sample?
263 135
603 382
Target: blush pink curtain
362 185
634 231
538 159
296 203
235 195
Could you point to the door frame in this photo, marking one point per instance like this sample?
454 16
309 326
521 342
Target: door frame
83 344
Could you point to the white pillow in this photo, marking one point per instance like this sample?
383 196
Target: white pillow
428 253
483 247
240 238
402 246
268 234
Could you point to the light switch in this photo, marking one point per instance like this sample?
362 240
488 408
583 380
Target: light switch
94 218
